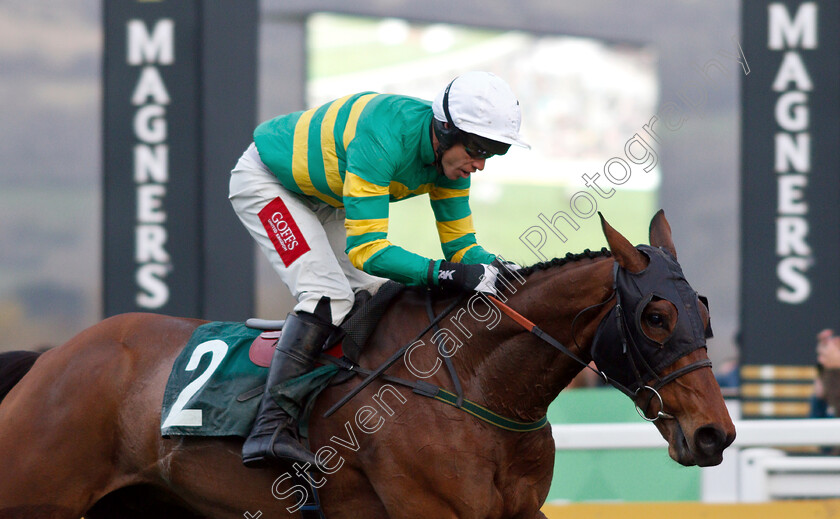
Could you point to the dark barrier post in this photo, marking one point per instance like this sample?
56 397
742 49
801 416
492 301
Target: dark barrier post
179 109
790 189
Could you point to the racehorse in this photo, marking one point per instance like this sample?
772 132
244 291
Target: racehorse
80 432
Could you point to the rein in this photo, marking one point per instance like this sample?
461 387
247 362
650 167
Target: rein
391 360
457 400
534 329
428 390
625 339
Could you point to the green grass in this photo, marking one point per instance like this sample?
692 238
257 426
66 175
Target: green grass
360 50
502 218
614 475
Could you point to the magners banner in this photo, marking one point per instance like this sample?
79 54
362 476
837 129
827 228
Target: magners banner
790 221
179 89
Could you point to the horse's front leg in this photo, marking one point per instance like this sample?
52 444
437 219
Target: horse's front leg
436 481
409 501
381 492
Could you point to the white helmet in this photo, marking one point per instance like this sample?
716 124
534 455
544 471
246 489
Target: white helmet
482 104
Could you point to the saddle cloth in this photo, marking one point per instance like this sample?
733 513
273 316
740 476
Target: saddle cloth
214 384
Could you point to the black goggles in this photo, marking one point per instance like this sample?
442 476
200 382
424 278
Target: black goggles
479 147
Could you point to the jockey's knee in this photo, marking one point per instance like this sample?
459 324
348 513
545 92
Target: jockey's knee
339 306
373 285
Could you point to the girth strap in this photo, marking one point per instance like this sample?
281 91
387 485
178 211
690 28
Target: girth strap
447 359
486 415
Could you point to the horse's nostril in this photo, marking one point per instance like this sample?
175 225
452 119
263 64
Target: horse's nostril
710 440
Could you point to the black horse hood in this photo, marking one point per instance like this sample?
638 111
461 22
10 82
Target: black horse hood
621 349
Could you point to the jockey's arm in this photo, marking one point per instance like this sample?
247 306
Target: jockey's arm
368 248
450 203
366 197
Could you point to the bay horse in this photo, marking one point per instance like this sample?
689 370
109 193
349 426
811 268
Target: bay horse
80 433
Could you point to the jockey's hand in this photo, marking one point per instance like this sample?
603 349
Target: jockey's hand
506 266
478 277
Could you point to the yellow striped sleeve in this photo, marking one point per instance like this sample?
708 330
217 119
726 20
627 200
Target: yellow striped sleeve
300 160
454 229
440 193
360 254
356 186
458 256
400 190
359 227
328 146
300 152
353 119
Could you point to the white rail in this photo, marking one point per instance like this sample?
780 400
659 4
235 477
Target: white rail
749 433
750 471
769 474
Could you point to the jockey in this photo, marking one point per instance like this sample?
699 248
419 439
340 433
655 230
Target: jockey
313 190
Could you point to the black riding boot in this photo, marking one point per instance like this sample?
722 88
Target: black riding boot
271 437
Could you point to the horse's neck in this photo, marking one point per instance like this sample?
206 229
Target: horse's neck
514 372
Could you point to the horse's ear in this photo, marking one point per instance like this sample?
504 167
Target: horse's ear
624 252
660 233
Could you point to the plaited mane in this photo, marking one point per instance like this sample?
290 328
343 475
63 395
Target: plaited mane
568 258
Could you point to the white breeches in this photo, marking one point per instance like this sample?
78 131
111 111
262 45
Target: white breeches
304 241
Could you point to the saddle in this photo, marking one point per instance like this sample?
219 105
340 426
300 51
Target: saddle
213 387
358 326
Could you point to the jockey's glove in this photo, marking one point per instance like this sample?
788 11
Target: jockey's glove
507 271
478 277
506 265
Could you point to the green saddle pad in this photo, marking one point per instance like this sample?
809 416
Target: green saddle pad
213 370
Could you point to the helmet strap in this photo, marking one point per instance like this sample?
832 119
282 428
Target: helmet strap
446 137
446 104
438 150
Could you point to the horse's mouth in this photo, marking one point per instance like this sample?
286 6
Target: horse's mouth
680 451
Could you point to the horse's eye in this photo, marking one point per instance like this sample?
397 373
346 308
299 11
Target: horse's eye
655 320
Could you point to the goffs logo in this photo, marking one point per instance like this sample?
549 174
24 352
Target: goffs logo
283 231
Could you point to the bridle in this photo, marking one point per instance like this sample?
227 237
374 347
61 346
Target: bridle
640 368
615 328
632 352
